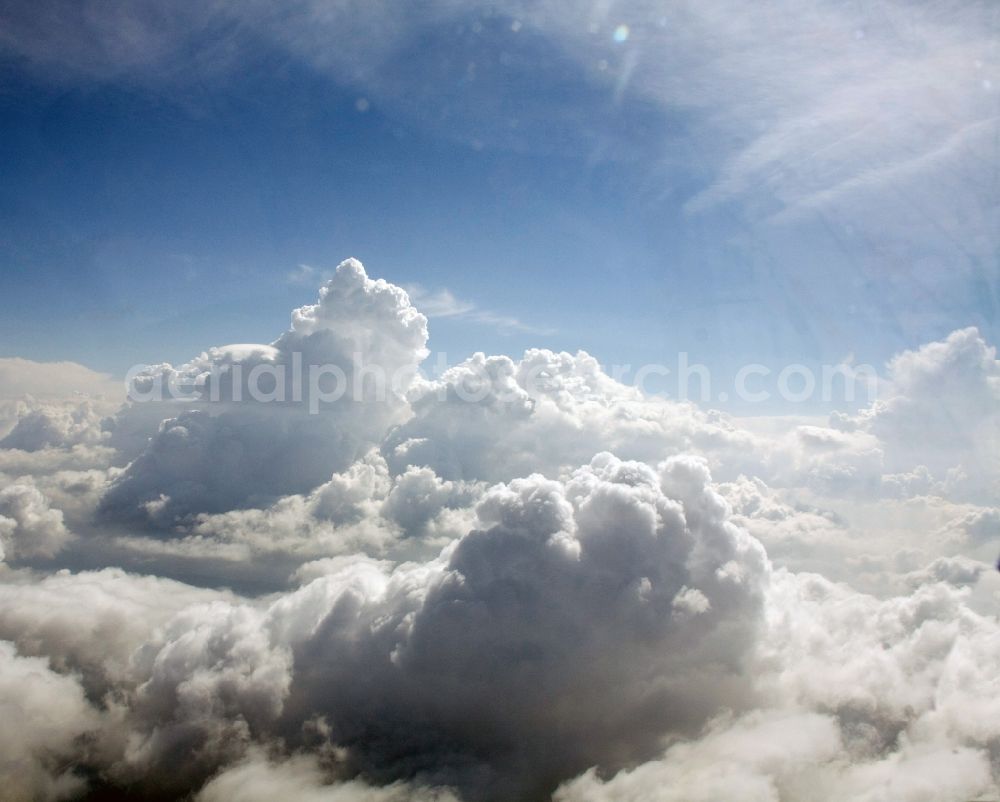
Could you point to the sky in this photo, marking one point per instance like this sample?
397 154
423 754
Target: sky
321 476
628 179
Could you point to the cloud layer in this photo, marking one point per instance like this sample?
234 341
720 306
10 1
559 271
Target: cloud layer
520 578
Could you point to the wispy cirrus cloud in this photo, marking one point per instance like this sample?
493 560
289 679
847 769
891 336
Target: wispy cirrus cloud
307 275
802 107
443 303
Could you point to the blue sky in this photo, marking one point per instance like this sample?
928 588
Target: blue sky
631 179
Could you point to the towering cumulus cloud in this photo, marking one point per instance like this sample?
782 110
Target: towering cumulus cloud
244 424
308 571
622 586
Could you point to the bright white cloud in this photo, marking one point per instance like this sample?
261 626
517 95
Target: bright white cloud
29 527
236 451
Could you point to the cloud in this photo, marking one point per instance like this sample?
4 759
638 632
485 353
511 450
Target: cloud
46 404
981 525
509 626
485 419
359 511
307 275
958 571
55 381
805 109
442 303
949 389
623 586
302 778
210 680
45 716
29 527
47 425
566 592
88 624
942 410
226 480
787 755
869 706
229 449
518 578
